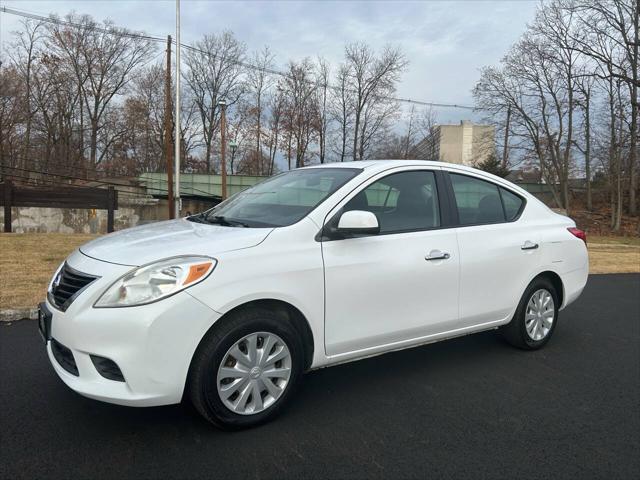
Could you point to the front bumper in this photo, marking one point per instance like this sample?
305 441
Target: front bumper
151 344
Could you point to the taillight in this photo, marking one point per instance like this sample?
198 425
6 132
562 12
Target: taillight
576 232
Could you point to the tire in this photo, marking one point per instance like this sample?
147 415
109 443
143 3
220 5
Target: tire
522 332
241 329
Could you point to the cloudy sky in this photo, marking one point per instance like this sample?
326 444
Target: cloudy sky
446 42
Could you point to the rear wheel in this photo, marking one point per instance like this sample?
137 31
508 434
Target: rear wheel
536 316
245 370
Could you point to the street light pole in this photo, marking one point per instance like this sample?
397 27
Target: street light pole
178 200
223 147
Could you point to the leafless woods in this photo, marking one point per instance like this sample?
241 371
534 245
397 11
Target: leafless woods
82 98
567 94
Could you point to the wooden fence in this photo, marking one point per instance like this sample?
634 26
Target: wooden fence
57 197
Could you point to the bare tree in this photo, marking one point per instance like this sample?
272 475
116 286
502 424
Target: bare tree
103 60
277 106
322 96
25 51
300 109
609 34
342 111
536 84
11 118
213 74
585 86
372 80
259 80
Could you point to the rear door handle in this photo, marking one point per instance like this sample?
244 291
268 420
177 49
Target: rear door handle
437 255
529 245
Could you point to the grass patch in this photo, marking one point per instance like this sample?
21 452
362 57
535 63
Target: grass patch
27 262
613 258
595 239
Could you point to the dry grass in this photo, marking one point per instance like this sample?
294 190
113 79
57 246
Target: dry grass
614 254
27 262
633 241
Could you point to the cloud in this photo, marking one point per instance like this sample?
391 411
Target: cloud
446 42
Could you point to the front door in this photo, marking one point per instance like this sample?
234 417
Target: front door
400 284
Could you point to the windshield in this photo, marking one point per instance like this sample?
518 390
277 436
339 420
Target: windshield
279 201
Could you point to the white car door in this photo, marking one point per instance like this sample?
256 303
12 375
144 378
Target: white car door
498 251
397 285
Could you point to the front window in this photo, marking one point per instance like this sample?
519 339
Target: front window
279 201
403 202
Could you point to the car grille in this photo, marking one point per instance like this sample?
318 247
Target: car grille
67 286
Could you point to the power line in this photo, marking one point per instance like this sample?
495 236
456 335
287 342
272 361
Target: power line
118 31
125 33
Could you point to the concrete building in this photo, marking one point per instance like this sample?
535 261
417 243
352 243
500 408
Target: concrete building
467 143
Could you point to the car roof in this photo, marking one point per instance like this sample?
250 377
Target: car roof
382 164
375 166
385 164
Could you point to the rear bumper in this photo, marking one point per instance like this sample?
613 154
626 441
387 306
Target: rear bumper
574 283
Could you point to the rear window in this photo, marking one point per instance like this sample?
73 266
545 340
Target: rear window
478 201
481 202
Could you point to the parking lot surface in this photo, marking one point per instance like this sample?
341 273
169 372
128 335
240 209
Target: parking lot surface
469 407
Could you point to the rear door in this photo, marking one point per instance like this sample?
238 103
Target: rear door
498 251
400 284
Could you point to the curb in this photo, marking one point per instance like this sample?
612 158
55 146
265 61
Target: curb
15 314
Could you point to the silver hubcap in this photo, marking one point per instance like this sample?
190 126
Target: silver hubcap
539 317
254 373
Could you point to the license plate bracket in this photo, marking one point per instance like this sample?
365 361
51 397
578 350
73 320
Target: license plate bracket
44 322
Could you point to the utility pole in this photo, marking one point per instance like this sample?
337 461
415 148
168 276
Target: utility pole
178 200
223 147
505 150
167 132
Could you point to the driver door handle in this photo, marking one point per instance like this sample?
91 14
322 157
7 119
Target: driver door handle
529 245
437 255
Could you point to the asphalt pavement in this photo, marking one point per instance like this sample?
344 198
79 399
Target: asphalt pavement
471 407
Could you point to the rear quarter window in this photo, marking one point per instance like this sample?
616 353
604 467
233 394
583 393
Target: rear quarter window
512 204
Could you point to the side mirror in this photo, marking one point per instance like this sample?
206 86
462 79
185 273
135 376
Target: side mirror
358 222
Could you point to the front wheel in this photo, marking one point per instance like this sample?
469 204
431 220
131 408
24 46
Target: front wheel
536 316
246 369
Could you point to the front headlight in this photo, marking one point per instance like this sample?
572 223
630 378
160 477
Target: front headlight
155 281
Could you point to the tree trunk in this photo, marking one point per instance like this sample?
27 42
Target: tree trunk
634 114
344 140
356 133
587 150
94 142
618 218
633 146
258 152
565 195
81 136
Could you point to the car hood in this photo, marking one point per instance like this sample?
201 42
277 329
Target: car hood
148 243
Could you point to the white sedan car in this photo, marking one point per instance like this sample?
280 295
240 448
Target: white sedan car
311 268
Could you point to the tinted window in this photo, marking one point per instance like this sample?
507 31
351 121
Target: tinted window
283 199
402 202
512 204
478 201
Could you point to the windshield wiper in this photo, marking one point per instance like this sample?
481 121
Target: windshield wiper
227 222
198 218
216 220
